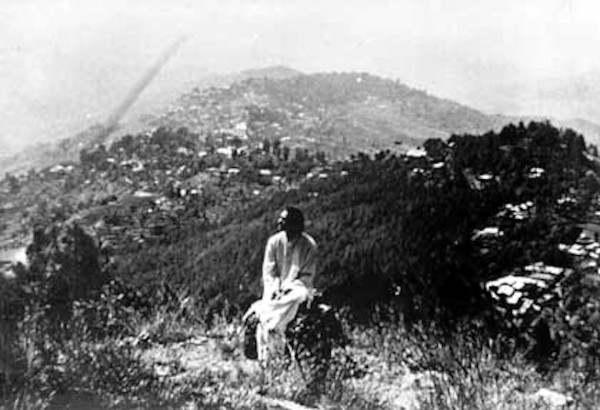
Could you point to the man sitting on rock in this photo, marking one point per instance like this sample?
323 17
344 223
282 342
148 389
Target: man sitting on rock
288 272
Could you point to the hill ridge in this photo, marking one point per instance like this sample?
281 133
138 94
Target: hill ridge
339 113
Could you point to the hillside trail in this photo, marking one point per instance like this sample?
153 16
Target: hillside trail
210 357
215 366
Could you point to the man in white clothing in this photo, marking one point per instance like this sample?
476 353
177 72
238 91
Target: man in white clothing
290 256
289 269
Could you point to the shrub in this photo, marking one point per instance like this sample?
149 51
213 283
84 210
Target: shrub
64 266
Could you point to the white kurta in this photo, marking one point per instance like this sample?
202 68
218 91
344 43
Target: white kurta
289 269
287 263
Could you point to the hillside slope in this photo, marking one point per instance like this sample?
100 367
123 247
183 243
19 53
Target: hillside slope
152 102
398 221
340 113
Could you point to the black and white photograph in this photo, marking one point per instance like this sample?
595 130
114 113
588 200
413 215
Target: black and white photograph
299 205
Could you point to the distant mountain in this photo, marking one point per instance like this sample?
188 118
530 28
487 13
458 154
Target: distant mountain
569 102
345 111
577 97
339 113
152 102
165 91
590 130
275 72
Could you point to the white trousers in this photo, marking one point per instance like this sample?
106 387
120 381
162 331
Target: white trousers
274 316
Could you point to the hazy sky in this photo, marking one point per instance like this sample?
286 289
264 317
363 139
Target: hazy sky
62 61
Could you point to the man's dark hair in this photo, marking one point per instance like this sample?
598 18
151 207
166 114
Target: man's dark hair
291 219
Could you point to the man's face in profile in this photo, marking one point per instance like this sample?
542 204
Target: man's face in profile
281 220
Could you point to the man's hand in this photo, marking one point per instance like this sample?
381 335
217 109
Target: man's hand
279 293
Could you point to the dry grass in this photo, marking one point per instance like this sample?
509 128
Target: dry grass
171 362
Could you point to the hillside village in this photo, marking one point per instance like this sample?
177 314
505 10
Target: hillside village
364 112
318 111
160 172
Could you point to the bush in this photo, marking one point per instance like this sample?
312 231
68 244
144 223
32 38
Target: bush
65 266
76 363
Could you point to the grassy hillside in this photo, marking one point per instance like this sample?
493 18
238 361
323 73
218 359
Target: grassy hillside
390 221
153 245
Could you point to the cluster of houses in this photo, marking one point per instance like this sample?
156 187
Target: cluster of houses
166 171
240 113
526 291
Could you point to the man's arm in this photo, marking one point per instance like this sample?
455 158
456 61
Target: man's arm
270 274
308 264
